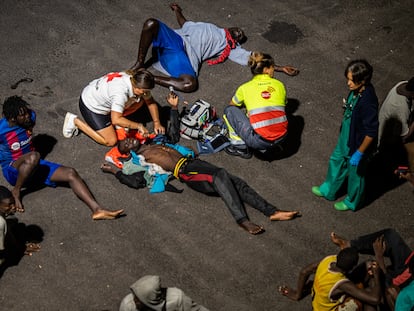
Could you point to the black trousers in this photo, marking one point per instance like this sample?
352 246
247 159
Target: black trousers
207 178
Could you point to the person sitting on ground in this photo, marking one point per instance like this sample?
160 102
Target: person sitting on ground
22 165
108 101
7 208
384 243
265 125
331 286
180 52
396 124
147 294
205 177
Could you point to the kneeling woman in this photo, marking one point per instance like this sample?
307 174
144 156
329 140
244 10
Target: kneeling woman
264 98
105 103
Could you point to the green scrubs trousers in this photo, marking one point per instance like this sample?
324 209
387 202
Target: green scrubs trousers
339 167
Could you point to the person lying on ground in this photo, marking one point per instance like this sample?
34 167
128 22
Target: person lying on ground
179 53
331 287
205 177
22 165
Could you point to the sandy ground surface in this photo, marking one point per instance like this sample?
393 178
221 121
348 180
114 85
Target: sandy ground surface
190 240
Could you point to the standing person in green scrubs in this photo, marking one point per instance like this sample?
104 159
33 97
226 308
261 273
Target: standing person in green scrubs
359 130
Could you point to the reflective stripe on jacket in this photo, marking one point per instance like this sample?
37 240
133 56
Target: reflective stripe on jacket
269 122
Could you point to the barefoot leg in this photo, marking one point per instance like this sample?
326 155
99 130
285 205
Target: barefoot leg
251 227
284 215
341 242
106 215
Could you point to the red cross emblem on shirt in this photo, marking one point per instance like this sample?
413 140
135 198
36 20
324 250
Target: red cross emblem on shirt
112 75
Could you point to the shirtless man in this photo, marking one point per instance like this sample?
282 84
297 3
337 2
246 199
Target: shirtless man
207 178
202 176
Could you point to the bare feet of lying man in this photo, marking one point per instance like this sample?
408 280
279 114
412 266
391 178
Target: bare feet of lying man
341 242
251 227
284 215
106 215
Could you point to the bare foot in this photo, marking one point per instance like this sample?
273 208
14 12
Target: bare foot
284 215
17 202
341 242
251 227
31 248
288 292
107 168
106 215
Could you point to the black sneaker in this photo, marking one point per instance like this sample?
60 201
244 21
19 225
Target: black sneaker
238 152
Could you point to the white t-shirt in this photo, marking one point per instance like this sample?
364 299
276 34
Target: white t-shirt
395 106
110 93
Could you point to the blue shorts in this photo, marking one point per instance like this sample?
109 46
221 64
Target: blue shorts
43 173
171 52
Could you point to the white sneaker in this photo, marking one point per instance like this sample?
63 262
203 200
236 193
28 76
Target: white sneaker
69 127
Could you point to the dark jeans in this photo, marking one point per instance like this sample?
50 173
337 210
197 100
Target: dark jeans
241 124
396 249
207 178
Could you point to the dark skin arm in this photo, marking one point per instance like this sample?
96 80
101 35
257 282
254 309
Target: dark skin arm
370 296
379 247
178 13
303 285
289 70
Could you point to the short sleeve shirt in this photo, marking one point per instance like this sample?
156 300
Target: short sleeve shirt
261 91
203 41
395 106
109 93
15 141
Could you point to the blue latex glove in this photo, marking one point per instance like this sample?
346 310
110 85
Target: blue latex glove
356 157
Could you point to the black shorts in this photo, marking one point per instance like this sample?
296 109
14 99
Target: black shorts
94 120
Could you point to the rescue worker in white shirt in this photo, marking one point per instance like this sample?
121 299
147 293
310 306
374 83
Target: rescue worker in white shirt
107 101
266 124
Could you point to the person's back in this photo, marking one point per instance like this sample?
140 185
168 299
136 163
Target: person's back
326 280
397 108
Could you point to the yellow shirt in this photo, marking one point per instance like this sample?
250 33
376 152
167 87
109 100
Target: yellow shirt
325 282
261 91
265 100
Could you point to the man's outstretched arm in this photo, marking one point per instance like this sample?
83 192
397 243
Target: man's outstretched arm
303 285
178 13
289 70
